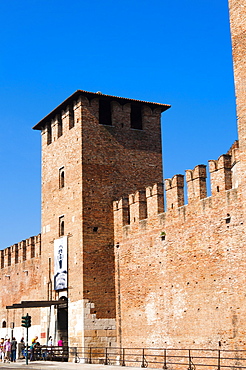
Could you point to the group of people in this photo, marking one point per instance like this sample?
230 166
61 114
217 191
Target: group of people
42 352
8 350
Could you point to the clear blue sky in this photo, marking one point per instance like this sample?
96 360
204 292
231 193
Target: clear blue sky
176 52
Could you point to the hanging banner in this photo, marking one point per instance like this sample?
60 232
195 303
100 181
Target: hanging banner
60 259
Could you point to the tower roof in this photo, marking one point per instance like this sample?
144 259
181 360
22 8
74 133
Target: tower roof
92 95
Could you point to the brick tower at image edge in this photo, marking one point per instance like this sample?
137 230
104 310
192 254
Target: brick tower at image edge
94 149
237 10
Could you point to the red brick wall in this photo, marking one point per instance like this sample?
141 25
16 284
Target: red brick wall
180 274
101 162
20 276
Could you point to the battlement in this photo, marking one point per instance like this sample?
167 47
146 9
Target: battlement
220 173
196 183
174 192
138 206
146 203
22 251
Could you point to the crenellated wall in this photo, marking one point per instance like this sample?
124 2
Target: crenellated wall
21 252
20 279
180 274
149 202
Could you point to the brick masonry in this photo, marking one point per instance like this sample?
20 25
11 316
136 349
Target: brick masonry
138 275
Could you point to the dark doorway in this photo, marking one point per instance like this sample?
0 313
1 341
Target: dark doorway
62 322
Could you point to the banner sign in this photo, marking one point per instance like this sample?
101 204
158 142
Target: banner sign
60 259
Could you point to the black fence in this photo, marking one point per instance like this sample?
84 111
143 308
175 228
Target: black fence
169 358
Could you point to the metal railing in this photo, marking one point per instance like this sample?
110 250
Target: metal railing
165 358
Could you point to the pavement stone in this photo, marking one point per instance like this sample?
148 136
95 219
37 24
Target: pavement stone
41 365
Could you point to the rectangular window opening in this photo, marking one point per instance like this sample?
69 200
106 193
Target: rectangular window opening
105 112
49 133
61 226
71 117
61 178
136 117
60 128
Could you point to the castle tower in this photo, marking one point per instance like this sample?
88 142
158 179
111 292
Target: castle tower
95 148
238 32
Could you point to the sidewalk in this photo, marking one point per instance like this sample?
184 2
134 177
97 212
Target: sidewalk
41 365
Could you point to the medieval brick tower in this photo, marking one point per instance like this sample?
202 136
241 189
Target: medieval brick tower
238 36
94 149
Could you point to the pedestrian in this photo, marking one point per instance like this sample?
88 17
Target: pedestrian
60 342
7 349
50 342
22 347
13 349
35 339
32 350
2 349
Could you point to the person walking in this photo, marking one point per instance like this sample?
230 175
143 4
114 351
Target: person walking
2 349
32 350
60 345
7 349
13 349
22 347
60 342
50 342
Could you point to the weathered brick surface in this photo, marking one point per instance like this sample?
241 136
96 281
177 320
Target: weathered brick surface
20 280
100 163
184 288
136 274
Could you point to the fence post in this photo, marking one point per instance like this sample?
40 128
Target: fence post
165 359
219 359
76 354
123 357
143 360
106 356
90 356
190 367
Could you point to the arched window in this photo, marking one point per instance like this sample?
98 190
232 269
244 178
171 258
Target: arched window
61 226
61 178
4 325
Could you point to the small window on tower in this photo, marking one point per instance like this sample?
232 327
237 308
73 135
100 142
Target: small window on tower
49 133
60 128
71 117
136 117
61 226
61 178
105 112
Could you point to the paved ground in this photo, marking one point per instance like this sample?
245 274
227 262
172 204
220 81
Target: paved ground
52 365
